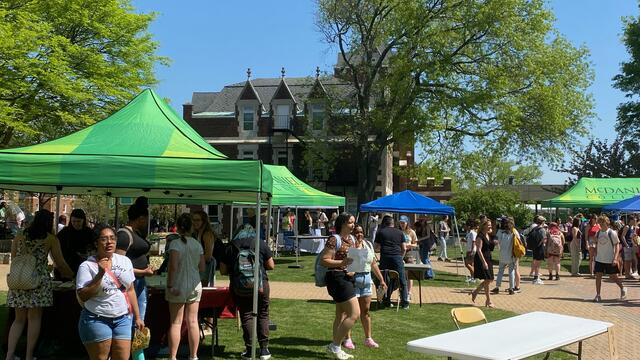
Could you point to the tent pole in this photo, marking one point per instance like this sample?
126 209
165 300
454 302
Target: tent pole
455 224
106 211
116 221
268 220
231 224
256 275
58 188
277 232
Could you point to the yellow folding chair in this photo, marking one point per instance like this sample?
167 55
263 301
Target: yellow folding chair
467 315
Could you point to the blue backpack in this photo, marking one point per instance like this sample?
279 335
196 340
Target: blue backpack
321 270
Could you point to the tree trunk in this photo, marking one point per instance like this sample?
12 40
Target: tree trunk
368 174
7 134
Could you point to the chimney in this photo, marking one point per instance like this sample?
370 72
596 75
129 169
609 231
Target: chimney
187 110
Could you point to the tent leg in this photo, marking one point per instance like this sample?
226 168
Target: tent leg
106 210
256 274
58 188
116 220
455 224
268 221
277 232
231 224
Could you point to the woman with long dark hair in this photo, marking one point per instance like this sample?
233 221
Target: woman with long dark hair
37 240
482 263
184 289
203 232
340 284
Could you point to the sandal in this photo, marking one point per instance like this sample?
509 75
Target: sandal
489 305
474 294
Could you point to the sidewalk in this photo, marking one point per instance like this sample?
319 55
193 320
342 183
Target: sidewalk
571 296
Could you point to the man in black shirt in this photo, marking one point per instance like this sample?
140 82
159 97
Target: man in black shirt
245 239
390 243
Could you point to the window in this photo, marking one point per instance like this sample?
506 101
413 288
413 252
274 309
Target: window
282 158
317 117
247 118
248 154
282 117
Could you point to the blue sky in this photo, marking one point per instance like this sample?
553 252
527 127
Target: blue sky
212 43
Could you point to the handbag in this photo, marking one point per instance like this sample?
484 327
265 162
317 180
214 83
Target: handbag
22 273
141 339
518 249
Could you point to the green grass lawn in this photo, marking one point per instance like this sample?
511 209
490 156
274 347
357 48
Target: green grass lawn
304 328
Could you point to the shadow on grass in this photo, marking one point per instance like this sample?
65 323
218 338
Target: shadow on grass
288 340
318 301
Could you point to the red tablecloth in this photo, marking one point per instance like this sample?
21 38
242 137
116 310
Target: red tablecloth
216 301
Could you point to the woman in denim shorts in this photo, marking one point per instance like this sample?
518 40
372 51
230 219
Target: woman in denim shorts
363 286
104 285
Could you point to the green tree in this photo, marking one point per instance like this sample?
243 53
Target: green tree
628 81
492 203
490 74
67 63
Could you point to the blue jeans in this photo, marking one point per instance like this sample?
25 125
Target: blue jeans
424 257
140 285
442 241
512 274
95 328
395 262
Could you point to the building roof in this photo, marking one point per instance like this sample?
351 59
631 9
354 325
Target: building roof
224 101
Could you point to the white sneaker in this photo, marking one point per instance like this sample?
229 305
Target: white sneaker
538 281
623 293
340 354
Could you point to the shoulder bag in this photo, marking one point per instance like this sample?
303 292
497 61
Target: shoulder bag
22 273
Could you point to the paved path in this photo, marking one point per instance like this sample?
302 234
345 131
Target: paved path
572 296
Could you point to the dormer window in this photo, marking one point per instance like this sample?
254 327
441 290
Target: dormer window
317 117
248 118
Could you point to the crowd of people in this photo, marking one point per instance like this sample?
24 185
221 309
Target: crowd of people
110 267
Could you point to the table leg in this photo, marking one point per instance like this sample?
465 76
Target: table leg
297 252
613 353
580 350
420 291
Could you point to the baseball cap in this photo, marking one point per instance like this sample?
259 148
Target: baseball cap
404 218
540 219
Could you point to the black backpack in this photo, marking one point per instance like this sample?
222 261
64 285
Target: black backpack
535 237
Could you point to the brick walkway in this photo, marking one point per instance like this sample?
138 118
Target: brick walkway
571 296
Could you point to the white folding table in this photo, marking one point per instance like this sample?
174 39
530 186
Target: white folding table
517 337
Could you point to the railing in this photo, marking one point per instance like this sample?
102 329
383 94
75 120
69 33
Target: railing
281 122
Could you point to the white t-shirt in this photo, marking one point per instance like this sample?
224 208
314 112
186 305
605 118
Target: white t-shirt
110 300
605 249
471 237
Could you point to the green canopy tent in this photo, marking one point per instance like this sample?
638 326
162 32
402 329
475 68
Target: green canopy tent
144 148
596 193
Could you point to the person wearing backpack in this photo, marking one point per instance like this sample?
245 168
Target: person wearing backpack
238 261
555 247
536 240
628 233
340 284
606 257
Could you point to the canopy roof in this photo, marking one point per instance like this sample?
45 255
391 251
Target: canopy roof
595 193
288 190
628 205
145 148
408 202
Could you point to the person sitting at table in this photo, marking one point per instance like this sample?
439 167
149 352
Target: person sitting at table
364 289
76 241
38 241
340 285
203 232
245 239
482 263
104 286
184 289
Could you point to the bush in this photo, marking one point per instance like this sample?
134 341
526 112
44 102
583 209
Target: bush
492 203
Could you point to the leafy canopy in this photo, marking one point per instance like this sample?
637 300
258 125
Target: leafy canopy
493 75
67 63
492 203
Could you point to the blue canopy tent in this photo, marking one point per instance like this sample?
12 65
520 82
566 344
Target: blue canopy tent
408 202
412 203
627 205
